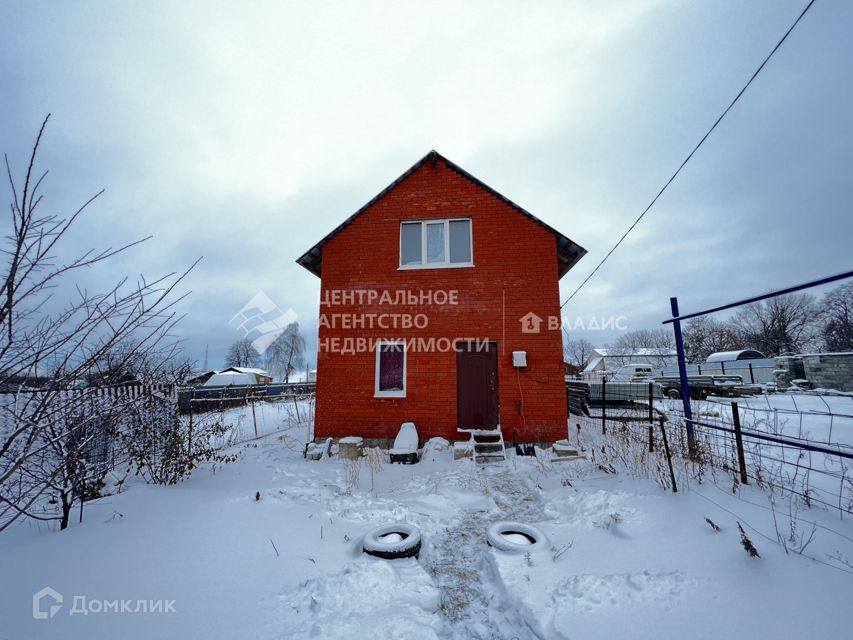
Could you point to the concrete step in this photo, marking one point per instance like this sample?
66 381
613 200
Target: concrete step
490 437
565 451
488 446
567 458
488 459
481 432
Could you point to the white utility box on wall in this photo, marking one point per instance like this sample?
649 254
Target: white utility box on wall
519 358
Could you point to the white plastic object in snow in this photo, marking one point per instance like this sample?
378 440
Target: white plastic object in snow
406 440
391 541
327 448
516 537
437 444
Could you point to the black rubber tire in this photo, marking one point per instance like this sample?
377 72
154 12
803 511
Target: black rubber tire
408 547
496 532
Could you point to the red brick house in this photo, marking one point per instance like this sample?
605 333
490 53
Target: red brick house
426 292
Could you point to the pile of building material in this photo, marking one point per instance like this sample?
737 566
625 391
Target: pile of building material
350 448
318 450
816 370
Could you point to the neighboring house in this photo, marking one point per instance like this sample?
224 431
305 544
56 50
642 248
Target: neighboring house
426 292
228 378
231 375
602 361
200 378
258 376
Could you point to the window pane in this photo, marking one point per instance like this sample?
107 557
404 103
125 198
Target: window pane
391 367
410 243
435 242
460 241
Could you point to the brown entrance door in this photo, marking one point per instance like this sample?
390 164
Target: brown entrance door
477 385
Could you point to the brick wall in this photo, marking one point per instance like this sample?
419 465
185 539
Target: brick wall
515 273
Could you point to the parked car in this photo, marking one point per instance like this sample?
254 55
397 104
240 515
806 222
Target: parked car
635 372
703 386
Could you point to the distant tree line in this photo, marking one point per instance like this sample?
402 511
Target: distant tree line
795 323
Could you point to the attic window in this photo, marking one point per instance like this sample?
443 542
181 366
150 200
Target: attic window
436 243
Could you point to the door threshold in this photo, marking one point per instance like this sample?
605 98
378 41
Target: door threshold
477 432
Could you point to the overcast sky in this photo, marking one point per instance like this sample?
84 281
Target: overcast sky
244 132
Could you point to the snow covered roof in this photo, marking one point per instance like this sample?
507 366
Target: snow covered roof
200 376
259 372
593 363
629 353
568 252
743 354
599 355
225 378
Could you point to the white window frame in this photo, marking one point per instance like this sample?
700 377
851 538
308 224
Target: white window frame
389 393
438 265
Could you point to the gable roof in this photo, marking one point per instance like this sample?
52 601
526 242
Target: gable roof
568 252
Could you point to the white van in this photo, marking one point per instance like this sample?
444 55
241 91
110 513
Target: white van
635 372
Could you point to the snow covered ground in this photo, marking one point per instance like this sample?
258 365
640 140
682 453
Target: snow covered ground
625 559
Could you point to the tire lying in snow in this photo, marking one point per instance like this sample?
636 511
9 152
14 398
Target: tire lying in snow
515 537
392 541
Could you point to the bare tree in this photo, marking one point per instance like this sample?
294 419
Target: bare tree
785 324
653 346
126 363
287 352
576 351
43 440
837 331
704 335
242 353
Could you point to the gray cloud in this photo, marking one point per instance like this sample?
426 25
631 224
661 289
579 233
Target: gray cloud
244 133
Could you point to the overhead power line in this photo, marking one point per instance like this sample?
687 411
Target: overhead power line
692 153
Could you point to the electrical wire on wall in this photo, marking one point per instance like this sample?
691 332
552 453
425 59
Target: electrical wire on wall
520 406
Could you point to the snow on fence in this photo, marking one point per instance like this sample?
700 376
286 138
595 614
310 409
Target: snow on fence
752 371
202 399
93 414
58 445
797 444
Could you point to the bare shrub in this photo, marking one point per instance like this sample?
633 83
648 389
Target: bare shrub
746 543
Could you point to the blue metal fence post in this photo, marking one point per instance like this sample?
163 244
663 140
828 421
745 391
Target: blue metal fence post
682 375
